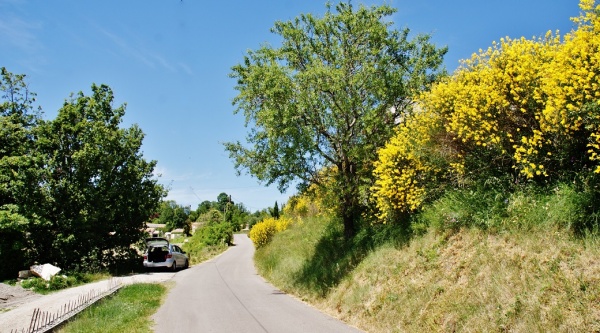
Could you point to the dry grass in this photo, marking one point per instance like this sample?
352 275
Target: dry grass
474 281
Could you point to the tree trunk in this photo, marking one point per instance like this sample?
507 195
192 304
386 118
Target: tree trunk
349 210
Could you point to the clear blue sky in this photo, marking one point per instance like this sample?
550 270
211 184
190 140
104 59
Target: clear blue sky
169 60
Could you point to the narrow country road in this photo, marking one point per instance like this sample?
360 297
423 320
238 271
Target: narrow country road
226 294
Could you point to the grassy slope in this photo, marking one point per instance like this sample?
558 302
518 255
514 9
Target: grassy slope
466 280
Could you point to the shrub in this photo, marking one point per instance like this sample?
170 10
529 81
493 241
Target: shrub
262 232
214 234
522 109
59 282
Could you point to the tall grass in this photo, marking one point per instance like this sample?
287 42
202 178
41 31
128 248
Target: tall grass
496 209
482 260
312 257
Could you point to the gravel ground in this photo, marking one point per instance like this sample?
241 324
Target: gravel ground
17 304
14 296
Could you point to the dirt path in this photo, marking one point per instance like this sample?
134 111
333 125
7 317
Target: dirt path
17 304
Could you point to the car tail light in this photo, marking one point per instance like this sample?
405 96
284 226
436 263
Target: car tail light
169 256
145 257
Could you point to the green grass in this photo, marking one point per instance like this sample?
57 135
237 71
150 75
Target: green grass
129 310
480 262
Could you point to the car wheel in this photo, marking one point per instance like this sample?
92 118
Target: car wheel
187 264
174 267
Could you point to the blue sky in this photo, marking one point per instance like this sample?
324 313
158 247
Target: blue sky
169 60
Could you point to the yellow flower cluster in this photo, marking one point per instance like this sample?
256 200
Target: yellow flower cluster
520 98
263 231
303 205
405 166
312 202
515 104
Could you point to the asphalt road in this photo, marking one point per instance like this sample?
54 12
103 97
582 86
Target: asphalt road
226 294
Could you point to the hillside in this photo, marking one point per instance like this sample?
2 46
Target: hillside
467 280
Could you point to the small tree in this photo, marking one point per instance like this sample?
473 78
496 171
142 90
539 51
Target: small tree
328 98
275 211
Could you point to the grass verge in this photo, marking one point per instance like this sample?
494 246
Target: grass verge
129 310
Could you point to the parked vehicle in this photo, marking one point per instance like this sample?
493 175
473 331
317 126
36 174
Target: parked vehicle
161 254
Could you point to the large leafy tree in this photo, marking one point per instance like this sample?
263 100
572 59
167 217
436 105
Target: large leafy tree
19 169
99 189
328 98
18 157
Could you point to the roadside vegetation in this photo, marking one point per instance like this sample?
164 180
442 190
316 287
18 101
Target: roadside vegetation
538 275
479 212
129 310
61 281
76 191
208 241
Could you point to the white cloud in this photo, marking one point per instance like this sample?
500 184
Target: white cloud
130 47
20 34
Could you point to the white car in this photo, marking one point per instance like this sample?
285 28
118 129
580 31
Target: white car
161 254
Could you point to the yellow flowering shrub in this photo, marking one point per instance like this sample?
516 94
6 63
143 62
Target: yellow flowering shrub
263 231
521 100
406 165
519 108
311 202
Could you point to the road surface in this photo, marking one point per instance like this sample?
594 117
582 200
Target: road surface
226 294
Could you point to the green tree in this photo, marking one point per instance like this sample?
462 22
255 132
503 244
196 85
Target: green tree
274 211
223 200
241 216
327 99
99 189
204 207
214 216
193 216
20 166
172 215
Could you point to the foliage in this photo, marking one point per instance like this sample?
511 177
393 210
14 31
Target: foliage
274 211
328 98
213 234
223 202
263 231
566 206
99 189
524 111
204 207
208 240
58 282
172 215
224 209
411 165
74 191
20 170
308 203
